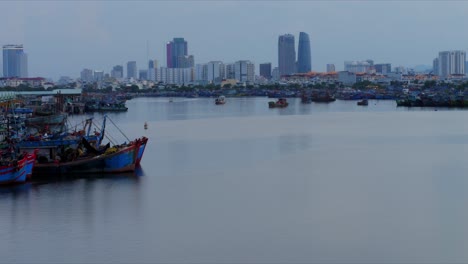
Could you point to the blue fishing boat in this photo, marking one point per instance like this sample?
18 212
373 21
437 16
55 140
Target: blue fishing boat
117 159
18 170
83 153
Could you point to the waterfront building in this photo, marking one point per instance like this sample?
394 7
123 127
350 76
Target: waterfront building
215 71
132 71
331 68
117 72
304 60
87 75
179 76
200 73
15 61
98 76
347 78
286 54
244 71
451 63
230 71
265 70
383 68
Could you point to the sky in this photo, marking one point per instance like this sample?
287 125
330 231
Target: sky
63 37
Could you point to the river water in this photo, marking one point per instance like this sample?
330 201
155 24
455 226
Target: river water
241 183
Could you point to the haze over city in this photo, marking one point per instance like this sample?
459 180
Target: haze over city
62 38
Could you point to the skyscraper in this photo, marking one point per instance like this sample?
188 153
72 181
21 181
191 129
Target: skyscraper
15 61
132 71
175 51
330 67
303 56
265 70
286 54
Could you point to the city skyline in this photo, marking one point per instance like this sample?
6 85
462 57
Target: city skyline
63 38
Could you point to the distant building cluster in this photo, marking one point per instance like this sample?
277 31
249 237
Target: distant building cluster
181 69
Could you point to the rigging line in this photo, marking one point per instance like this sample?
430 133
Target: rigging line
119 129
107 134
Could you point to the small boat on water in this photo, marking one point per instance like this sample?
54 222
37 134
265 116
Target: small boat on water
363 102
220 100
280 103
171 100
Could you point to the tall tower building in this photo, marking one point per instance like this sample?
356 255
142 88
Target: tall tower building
15 61
176 51
215 71
265 70
303 56
286 54
132 71
330 67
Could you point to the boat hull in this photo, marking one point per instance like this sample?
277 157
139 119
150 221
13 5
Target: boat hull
19 173
124 160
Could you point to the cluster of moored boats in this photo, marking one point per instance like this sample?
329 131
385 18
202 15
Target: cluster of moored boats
41 147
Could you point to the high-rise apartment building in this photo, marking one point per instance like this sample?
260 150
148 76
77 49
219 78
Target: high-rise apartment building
98 76
286 54
230 71
215 71
117 72
152 69
87 75
176 54
15 61
358 66
265 70
304 60
331 68
244 71
175 75
451 63
132 71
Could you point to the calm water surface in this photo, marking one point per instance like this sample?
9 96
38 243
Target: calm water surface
241 183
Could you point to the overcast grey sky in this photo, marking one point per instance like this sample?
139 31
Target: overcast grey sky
62 37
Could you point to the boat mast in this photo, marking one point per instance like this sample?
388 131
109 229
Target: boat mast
103 129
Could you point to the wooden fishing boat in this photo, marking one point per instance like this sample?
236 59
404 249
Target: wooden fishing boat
18 170
280 103
83 153
117 159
